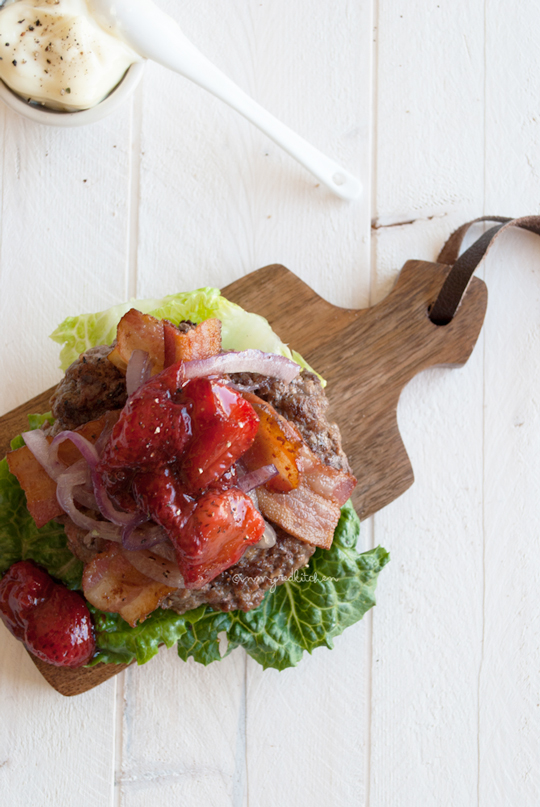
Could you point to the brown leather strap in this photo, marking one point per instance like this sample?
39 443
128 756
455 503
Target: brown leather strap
459 276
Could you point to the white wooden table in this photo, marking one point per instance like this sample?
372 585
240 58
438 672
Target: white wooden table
434 699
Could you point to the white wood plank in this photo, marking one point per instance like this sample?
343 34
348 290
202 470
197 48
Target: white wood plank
226 198
510 688
509 712
54 751
512 122
308 729
429 141
65 214
427 633
183 733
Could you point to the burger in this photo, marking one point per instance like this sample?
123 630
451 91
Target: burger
186 487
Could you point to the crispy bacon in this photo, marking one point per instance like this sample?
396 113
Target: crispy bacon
112 584
302 513
137 331
311 511
198 343
163 341
277 443
38 486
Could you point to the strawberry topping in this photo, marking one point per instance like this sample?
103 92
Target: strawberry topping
172 455
224 427
216 535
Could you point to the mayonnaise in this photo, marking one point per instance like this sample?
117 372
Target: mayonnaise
54 52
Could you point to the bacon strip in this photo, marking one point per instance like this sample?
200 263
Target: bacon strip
277 443
163 341
198 343
112 584
311 511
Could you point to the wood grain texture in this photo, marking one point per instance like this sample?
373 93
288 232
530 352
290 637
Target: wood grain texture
367 357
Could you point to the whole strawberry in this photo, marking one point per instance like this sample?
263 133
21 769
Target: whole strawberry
22 587
53 622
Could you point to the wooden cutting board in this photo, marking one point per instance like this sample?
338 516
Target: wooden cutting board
367 357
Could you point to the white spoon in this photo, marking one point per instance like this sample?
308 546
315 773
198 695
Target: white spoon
155 35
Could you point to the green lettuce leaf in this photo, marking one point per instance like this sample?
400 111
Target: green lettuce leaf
119 643
240 329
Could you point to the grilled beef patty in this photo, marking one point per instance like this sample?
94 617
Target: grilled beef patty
92 385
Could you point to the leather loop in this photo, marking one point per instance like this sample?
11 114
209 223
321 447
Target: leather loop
463 268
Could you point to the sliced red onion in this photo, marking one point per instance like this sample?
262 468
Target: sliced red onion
138 370
244 361
85 497
157 568
103 438
254 479
67 482
165 550
90 455
142 535
40 447
107 508
269 537
87 449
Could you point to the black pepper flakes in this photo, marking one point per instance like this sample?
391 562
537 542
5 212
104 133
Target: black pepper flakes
14 62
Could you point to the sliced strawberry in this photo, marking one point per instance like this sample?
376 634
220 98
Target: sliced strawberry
53 622
224 427
216 535
159 494
152 430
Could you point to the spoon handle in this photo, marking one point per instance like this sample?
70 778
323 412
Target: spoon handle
156 36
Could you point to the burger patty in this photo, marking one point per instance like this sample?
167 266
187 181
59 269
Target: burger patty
92 385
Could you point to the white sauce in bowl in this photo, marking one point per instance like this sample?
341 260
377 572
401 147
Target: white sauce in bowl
53 52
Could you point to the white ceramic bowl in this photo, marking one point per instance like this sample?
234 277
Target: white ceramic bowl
52 117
